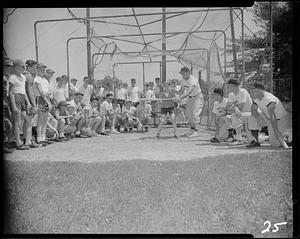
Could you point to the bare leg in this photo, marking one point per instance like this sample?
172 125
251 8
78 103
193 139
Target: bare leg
161 123
17 119
173 119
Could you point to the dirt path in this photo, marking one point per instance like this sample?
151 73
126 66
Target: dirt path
128 146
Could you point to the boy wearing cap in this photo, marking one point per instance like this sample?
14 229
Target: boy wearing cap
94 115
133 93
167 107
108 114
194 102
43 102
19 104
87 90
143 113
73 87
239 104
278 120
222 121
63 117
76 110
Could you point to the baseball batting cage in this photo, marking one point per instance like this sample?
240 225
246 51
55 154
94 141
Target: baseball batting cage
198 38
145 43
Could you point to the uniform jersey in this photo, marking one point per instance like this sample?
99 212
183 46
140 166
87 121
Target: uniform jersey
188 84
218 106
266 101
45 86
133 93
242 97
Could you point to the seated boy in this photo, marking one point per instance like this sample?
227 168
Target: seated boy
143 113
128 114
221 120
118 121
94 115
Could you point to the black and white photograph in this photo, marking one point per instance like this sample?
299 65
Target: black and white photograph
149 120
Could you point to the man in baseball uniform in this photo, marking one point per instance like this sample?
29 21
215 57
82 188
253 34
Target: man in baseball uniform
195 100
278 120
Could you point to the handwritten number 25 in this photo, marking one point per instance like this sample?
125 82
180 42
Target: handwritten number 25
269 226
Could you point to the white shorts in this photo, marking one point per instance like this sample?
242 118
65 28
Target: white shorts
193 109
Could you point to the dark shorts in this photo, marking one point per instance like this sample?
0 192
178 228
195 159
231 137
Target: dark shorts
120 102
170 110
135 104
42 104
20 102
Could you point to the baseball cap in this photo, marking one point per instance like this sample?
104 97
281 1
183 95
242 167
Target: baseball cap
79 93
8 62
73 79
109 95
18 62
234 81
184 69
30 62
147 84
41 65
133 80
258 85
62 103
49 71
93 98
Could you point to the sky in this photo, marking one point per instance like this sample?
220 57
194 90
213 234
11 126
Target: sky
18 38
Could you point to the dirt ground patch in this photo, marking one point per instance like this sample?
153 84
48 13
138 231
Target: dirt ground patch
165 186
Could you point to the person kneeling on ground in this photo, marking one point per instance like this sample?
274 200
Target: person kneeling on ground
167 107
222 121
278 120
143 112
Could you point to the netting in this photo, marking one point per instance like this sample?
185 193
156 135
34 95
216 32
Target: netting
132 46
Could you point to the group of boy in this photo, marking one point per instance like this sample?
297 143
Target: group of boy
250 110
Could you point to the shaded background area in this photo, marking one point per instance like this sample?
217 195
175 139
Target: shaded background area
222 194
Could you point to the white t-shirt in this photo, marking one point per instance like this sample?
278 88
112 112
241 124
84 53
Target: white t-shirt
150 94
188 84
242 97
106 107
92 110
130 112
59 94
18 84
76 106
45 86
266 100
87 92
73 88
217 106
122 94
133 93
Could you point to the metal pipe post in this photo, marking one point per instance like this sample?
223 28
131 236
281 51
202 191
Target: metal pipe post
243 50
164 57
143 77
271 47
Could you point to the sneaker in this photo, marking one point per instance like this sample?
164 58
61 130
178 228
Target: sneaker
77 136
23 147
113 131
188 134
253 144
157 136
236 142
58 140
214 140
194 134
64 138
34 145
104 133
146 129
42 143
49 142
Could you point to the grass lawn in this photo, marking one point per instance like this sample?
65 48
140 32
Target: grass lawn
222 194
